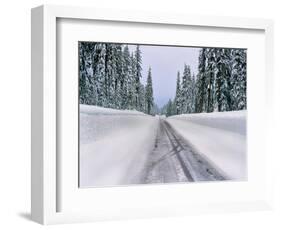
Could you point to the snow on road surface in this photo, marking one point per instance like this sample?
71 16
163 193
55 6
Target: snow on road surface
174 160
220 137
129 147
114 145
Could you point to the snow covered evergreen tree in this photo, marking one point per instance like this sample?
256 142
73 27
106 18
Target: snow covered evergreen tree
138 68
111 75
193 93
100 74
87 85
149 100
142 100
201 87
210 79
186 97
178 95
223 75
125 78
238 79
119 77
184 90
83 75
132 94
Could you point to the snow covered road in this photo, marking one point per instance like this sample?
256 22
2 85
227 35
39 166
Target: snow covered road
129 147
174 160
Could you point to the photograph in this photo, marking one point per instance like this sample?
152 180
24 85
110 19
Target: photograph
158 114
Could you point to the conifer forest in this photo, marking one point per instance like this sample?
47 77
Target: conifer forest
110 76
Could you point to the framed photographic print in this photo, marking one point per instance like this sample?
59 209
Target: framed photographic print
139 115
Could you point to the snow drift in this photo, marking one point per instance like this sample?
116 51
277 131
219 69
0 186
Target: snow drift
114 145
219 136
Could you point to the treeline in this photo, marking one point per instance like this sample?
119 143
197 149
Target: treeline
220 84
110 77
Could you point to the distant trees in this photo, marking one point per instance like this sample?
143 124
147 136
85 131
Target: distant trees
220 84
110 76
169 108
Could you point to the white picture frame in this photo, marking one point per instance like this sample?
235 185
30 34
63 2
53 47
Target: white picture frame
45 108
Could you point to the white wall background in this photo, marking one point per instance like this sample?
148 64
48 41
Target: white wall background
15 113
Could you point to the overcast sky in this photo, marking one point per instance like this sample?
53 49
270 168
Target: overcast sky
165 61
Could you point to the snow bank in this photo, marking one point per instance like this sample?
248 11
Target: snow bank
220 136
114 145
96 110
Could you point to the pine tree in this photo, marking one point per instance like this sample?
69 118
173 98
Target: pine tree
142 100
132 95
83 78
201 88
238 79
87 87
100 74
149 100
178 95
196 95
111 75
193 93
138 62
186 90
92 95
223 74
189 91
119 81
125 78
210 75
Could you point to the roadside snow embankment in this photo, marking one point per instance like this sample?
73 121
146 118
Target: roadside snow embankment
220 137
114 145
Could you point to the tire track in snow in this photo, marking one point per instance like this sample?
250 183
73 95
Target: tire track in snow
199 167
174 160
177 147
